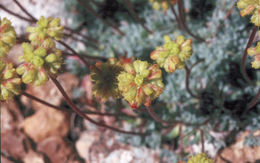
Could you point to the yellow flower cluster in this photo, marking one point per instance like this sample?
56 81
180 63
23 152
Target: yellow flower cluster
250 7
140 82
200 158
162 4
9 81
172 54
7 36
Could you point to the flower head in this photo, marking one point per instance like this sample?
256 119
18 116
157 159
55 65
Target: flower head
200 158
158 4
46 28
104 76
250 7
39 61
7 36
255 51
140 83
172 54
9 82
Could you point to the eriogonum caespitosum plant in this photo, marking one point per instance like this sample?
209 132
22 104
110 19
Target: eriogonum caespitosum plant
255 51
7 36
104 76
9 81
46 28
172 54
140 82
250 7
200 158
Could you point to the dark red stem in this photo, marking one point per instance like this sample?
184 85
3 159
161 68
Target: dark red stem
74 108
243 61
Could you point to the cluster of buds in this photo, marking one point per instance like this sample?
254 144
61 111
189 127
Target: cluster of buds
9 82
104 76
200 158
41 57
7 36
46 28
255 51
172 55
140 83
250 7
162 4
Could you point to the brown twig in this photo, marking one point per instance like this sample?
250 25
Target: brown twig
254 101
176 16
187 83
75 53
75 109
243 61
183 21
15 14
25 11
64 110
202 141
130 7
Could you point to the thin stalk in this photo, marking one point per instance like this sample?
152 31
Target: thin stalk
80 40
243 61
25 11
75 53
176 16
74 108
254 101
187 82
64 110
15 14
202 141
183 21
130 7
168 123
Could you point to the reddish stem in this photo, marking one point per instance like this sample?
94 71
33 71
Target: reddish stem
202 141
74 108
75 53
131 9
254 101
25 11
243 61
